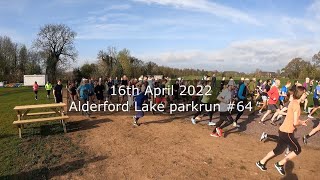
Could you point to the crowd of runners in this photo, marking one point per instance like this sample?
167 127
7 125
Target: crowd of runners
279 103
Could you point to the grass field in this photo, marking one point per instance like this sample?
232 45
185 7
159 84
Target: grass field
39 147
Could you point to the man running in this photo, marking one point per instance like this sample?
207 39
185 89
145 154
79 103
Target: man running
225 97
242 97
139 99
315 100
273 99
57 92
48 88
286 134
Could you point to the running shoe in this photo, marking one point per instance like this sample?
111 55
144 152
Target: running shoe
305 139
214 135
219 132
193 121
135 123
311 117
234 124
280 168
279 117
211 123
262 167
263 136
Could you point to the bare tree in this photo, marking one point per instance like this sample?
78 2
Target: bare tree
56 41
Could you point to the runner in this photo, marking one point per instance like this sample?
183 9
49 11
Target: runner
315 100
35 90
213 81
306 85
225 97
206 101
91 91
282 112
312 132
252 89
72 91
265 88
242 97
283 93
286 133
57 92
162 98
311 86
272 103
48 88
83 94
139 100
99 92
222 83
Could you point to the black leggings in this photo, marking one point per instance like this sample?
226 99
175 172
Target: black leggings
284 140
224 117
244 103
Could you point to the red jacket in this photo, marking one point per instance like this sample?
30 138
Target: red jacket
273 95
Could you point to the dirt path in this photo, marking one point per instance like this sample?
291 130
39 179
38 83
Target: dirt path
165 147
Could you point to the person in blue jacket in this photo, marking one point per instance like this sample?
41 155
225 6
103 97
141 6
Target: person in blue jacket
242 96
139 99
83 93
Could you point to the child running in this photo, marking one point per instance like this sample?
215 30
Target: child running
286 134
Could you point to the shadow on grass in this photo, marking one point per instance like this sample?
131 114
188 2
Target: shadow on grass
85 124
50 172
56 128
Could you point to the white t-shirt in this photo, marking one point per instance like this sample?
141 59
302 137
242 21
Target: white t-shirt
226 95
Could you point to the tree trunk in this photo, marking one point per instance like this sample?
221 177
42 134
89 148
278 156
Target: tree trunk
51 68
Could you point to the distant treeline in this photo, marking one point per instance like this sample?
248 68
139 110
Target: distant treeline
53 51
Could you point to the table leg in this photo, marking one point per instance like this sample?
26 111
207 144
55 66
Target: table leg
20 133
19 126
64 126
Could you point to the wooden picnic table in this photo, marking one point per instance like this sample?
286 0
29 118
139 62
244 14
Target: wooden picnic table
24 111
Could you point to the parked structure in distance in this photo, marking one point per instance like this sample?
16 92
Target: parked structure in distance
28 80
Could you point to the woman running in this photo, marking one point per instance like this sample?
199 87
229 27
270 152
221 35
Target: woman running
286 134
35 89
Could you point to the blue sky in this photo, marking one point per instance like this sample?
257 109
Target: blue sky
240 35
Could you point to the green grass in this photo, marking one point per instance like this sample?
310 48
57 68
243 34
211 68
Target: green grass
38 147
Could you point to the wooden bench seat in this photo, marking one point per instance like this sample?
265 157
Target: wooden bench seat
28 121
41 113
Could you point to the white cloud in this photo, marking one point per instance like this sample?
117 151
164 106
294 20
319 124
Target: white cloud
314 9
117 7
246 56
207 7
